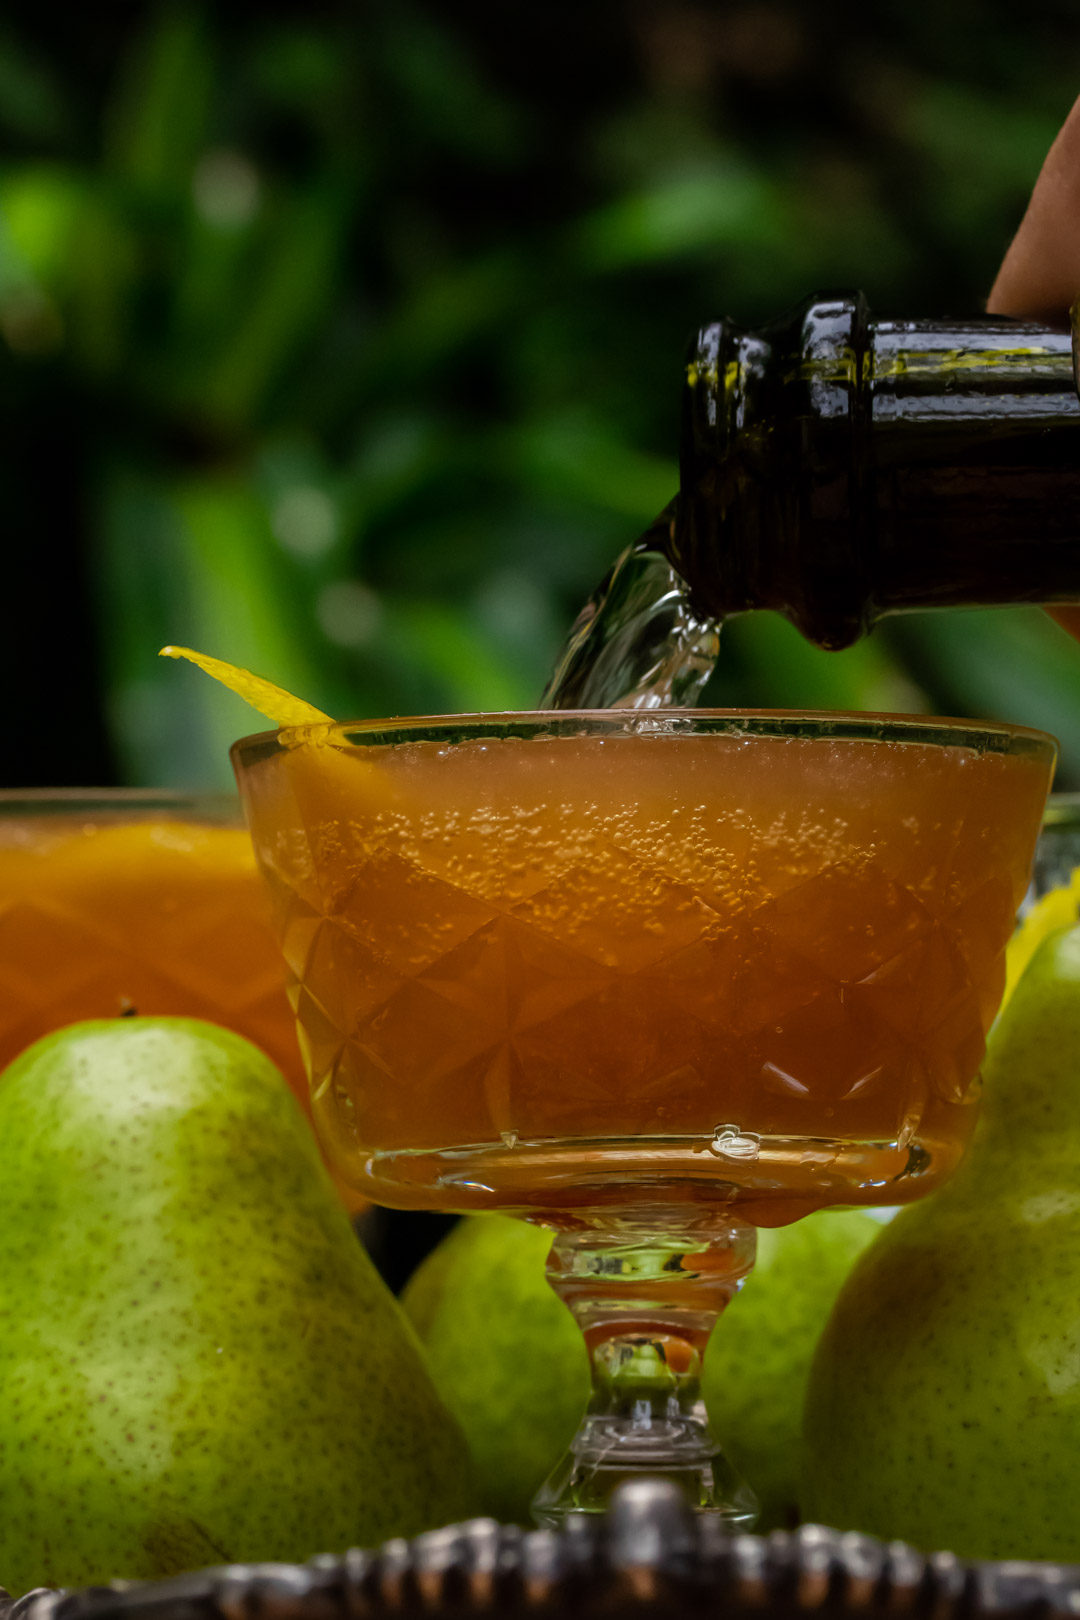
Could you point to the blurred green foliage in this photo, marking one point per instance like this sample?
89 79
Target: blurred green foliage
344 342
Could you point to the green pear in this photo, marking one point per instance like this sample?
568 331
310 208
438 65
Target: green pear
506 1356
758 1359
944 1401
511 1365
198 1363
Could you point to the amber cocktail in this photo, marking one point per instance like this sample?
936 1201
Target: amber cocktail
136 901
654 979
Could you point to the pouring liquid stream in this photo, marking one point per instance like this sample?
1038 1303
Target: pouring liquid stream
638 643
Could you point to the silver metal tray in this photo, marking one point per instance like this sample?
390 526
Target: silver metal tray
649 1555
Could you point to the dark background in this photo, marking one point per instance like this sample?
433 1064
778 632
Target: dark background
344 342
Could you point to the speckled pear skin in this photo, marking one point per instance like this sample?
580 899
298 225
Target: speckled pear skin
758 1357
198 1362
944 1399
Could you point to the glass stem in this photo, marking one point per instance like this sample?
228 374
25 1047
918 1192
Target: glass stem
646 1305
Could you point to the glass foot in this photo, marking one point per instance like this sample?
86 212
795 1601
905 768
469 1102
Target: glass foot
646 1305
604 1455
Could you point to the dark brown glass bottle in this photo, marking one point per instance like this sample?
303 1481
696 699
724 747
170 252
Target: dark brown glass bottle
837 468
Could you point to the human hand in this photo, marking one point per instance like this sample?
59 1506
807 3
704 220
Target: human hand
1040 276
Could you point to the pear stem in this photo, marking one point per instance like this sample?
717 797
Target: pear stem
646 1305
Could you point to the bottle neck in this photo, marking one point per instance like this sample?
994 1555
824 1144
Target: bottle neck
836 468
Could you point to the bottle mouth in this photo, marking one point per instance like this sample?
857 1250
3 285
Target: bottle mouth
774 439
835 468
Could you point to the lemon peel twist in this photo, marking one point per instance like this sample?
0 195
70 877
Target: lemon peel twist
263 696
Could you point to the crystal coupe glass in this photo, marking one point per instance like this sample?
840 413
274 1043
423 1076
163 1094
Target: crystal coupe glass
653 980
